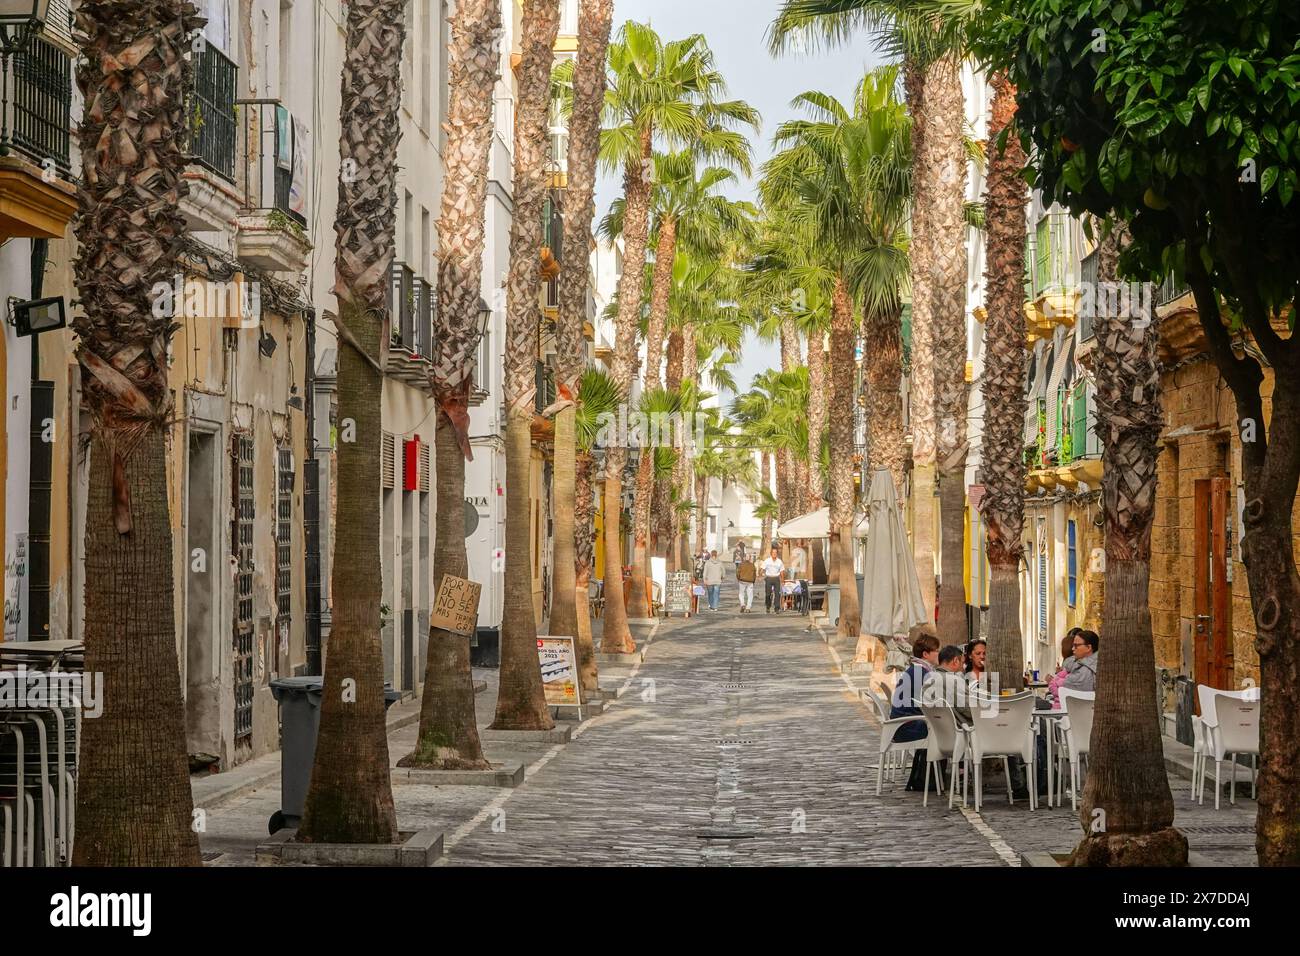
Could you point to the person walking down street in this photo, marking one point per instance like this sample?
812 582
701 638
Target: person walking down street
773 574
745 576
908 690
713 569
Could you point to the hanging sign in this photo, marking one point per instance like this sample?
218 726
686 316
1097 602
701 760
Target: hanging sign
456 607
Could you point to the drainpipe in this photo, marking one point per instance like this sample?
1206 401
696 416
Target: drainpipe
40 480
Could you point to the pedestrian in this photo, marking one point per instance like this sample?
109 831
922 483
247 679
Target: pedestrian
773 574
713 579
745 575
925 657
738 555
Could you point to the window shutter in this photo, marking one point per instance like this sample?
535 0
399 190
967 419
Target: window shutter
388 460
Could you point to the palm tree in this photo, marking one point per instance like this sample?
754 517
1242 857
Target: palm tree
586 80
1127 783
448 736
931 51
521 700
845 177
133 795
671 91
1003 461
350 799
598 398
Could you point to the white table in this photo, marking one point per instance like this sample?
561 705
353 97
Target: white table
1046 725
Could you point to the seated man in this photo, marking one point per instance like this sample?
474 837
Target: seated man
925 655
948 683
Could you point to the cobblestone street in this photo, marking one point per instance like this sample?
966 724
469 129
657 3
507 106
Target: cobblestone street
736 742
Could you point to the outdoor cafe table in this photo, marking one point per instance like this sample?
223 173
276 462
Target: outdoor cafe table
1045 720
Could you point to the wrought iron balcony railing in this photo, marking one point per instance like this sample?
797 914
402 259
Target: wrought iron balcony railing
274 167
1055 255
553 226
1171 289
211 111
411 304
36 106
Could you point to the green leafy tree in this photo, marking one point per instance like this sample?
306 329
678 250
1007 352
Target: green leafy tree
1181 120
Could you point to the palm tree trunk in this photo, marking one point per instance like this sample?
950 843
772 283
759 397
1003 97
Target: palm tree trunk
1127 810
921 380
637 186
1002 458
350 799
133 796
448 736
765 482
669 519
521 700
639 605
817 389
883 348
842 504
946 161
589 79
584 522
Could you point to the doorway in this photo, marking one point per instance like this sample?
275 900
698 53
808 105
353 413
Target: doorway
1212 604
202 594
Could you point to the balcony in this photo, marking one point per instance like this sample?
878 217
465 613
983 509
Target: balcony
410 348
37 199
1054 273
274 175
213 202
543 429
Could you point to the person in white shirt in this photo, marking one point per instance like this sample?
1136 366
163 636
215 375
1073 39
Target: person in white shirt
773 572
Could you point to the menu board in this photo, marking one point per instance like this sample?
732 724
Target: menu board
559 666
678 599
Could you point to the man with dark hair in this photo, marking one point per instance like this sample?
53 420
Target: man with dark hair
925 655
948 682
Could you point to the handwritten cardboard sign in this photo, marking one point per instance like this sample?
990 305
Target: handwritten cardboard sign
456 607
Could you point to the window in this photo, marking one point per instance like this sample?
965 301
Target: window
242 452
1072 559
426 62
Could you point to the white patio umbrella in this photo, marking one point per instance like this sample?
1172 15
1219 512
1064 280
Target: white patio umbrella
815 524
891 602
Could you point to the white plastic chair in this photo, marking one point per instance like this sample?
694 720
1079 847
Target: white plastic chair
1201 742
1076 732
1233 730
1003 727
947 741
888 746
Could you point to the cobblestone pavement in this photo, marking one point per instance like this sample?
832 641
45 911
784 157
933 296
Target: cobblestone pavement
737 742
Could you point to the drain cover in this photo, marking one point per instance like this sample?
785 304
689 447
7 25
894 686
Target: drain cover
731 741
211 856
1217 829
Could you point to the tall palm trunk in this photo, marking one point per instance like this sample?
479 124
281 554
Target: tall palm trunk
584 519
448 737
521 700
637 186
133 796
842 504
817 389
648 489
569 602
883 350
702 510
765 482
921 384
683 472
945 161
1127 810
666 513
1002 459
350 799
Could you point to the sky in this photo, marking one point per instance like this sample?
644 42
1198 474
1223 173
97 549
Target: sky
736 31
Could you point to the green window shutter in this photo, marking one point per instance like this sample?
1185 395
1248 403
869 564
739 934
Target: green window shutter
1080 428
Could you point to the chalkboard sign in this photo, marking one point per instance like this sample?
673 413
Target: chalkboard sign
678 599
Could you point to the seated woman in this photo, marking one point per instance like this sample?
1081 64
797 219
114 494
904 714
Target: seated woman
976 654
1067 655
925 657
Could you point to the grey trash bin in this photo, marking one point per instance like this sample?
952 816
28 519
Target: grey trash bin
299 699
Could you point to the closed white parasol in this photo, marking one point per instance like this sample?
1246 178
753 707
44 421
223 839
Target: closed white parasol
891 600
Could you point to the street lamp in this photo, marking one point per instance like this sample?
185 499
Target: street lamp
19 20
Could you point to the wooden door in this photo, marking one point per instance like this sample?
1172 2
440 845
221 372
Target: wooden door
1212 629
